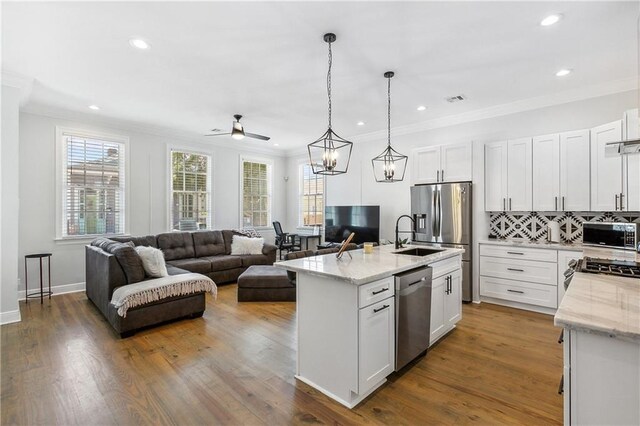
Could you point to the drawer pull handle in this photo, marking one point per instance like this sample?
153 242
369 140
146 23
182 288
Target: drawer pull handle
515 269
375 311
380 291
515 252
515 291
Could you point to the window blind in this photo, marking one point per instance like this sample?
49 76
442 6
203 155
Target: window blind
311 197
190 191
93 186
256 194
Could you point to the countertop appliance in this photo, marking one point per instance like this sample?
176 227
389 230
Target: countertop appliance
614 235
413 314
442 215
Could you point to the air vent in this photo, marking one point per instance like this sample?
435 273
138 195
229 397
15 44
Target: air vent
216 130
456 98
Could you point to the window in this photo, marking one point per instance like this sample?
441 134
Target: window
256 193
311 197
190 191
91 184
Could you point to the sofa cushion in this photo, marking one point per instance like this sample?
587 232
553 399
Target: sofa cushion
176 245
147 240
201 266
208 243
222 262
130 262
173 270
255 259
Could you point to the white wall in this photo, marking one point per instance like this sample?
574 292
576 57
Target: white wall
10 206
148 189
359 187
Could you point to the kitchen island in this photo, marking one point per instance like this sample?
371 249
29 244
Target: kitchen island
600 316
346 327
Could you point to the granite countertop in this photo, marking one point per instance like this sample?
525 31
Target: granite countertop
602 304
362 268
535 244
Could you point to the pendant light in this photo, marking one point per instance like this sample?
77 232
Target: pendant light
390 165
330 154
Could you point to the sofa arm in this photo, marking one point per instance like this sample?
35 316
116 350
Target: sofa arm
269 250
103 273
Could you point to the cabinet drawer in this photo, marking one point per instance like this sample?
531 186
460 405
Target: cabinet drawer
522 270
541 255
445 266
518 291
375 291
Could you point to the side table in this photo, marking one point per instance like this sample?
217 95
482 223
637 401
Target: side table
40 293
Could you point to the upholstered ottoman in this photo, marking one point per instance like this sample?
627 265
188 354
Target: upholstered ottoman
265 283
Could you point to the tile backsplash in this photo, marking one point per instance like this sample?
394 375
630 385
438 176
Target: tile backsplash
533 225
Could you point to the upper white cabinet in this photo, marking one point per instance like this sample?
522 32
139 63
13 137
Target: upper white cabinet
443 163
508 175
561 171
546 172
631 182
606 167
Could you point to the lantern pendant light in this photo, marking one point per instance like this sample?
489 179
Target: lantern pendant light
390 165
330 154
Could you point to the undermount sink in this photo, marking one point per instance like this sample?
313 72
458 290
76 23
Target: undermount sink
419 251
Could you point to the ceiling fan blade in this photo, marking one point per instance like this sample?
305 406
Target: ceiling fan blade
255 136
219 134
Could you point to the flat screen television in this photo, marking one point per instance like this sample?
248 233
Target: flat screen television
340 221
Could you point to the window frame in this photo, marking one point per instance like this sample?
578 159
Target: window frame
210 171
301 224
60 179
270 175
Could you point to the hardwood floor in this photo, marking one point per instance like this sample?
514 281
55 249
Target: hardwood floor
63 365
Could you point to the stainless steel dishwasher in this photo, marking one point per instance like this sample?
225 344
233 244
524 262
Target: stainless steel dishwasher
413 314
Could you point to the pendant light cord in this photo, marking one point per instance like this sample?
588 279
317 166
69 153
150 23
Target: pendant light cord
329 83
389 112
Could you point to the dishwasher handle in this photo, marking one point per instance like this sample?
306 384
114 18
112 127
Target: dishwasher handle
410 278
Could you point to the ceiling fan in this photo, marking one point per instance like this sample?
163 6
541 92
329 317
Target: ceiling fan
238 133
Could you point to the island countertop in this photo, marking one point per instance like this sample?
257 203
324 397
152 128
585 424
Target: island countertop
362 268
603 304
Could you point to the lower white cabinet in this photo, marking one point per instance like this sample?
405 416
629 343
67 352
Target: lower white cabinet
446 301
601 380
377 343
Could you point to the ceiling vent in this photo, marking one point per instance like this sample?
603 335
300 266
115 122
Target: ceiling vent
456 98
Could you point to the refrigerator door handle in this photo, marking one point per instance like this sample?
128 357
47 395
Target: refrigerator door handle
434 217
439 212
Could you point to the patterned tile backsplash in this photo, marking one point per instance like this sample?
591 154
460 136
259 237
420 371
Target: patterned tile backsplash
533 225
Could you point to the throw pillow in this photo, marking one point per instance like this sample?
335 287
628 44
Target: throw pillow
247 232
245 245
129 261
152 261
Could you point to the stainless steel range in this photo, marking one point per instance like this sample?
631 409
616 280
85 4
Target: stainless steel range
622 268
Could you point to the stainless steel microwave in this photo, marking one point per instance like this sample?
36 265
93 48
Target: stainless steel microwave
611 234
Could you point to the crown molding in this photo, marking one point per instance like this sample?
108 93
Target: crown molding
18 81
559 98
147 129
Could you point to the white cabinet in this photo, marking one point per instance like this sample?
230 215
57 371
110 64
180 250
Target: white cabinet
574 171
443 163
606 167
564 257
561 172
376 343
631 182
508 175
546 172
446 298
426 165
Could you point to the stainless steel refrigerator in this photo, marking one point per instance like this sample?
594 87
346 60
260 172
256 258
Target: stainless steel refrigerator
442 215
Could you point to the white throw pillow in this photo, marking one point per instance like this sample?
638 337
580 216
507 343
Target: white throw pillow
152 261
244 245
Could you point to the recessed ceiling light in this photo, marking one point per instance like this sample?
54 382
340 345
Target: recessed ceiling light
360 123
94 107
139 43
276 144
550 20
563 72
421 108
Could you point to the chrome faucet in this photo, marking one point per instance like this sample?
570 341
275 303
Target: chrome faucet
398 243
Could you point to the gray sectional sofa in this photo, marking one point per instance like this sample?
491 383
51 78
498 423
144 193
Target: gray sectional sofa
111 263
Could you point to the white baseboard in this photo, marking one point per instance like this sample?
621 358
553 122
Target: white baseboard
10 317
56 289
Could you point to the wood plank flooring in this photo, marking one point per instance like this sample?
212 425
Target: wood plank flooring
63 365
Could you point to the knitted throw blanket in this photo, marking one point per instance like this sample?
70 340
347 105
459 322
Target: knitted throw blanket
132 295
